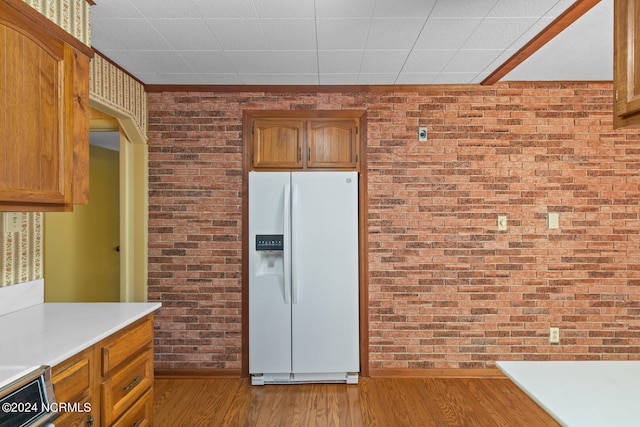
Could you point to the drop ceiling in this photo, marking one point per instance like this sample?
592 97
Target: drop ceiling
346 42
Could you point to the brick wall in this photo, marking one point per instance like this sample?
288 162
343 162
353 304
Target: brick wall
446 288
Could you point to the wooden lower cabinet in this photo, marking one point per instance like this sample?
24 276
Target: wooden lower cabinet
140 414
110 383
124 388
74 389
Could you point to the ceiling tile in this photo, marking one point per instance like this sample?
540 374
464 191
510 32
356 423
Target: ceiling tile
300 79
333 41
207 62
338 79
114 9
262 79
220 79
181 79
462 8
239 9
299 62
471 61
154 61
103 39
285 8
416 78
561 6
446 33
252 62
531 32
394 33
521 8
347 33
340 61
290 34
383 61
345 9
454 78
578 53
381 79
238 34
404 8
428 61
199 37
166 8
135 34
498 33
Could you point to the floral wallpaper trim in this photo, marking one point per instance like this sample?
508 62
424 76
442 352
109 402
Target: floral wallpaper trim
21 251
73 16
111 86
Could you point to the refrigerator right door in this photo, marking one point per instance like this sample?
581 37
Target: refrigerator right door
324 270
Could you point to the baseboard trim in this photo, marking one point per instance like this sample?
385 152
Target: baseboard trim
436 373
197 373
373 373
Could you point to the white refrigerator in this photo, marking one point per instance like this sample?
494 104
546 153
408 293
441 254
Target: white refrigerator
303 277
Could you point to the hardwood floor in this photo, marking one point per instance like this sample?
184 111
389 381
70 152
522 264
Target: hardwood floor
373 402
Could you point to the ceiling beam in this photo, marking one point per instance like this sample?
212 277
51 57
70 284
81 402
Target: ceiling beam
568 17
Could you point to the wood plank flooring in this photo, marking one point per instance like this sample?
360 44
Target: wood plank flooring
381 402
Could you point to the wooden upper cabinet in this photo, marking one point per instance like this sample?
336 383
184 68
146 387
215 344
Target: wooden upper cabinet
277 143
626 63
304 143
44 117
332 144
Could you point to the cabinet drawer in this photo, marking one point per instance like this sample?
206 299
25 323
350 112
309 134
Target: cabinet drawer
126 385
125 344
140 414
72 378
81 418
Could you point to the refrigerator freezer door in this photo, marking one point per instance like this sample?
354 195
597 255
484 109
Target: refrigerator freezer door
324 230
269 274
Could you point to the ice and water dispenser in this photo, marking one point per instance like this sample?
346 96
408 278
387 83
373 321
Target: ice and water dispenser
270 254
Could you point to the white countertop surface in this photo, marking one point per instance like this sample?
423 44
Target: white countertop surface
49 333
8 374
582 393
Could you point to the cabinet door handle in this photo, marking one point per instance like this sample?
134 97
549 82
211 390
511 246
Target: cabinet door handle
299 153
90 421
133 383
137 423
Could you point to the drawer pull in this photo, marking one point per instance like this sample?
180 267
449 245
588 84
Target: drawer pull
137 423
133 383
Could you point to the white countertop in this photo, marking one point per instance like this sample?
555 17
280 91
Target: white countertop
8 374
49 333
582 393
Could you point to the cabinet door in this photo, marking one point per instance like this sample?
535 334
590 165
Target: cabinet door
73 384
277 144
36 152
332 144
626 72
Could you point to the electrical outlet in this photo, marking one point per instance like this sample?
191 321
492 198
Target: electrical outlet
422 134
554 335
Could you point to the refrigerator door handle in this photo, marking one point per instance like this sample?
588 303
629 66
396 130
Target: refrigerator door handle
294 225
287 243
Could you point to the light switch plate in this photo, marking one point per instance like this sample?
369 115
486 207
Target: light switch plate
502 222
553 220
